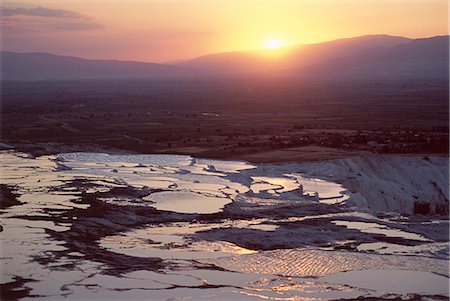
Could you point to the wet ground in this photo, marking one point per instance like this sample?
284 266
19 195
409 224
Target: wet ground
91 226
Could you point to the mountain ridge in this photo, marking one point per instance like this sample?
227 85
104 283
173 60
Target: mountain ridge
365 56
47 66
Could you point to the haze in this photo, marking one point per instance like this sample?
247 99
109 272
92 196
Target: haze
176 30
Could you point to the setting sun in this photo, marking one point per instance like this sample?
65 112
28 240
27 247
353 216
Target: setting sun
297 138
273 44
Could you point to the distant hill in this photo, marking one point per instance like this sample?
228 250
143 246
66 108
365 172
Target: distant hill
293 57
365 57
45 66
421 58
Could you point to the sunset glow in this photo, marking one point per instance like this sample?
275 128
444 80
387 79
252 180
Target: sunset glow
273 44
158 31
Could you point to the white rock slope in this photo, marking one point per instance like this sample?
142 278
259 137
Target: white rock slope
388 183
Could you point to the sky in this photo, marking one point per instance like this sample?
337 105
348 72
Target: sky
162 31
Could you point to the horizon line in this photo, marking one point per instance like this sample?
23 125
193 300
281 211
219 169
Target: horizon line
171 62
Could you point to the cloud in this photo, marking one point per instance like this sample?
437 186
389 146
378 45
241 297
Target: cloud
44 18
77 26
40 12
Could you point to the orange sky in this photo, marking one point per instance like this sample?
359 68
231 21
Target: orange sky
159 31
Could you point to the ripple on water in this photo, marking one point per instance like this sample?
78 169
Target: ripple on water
200 185
317 263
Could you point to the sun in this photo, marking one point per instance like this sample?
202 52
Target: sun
273 44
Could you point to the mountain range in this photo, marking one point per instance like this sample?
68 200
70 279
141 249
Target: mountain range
365 57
